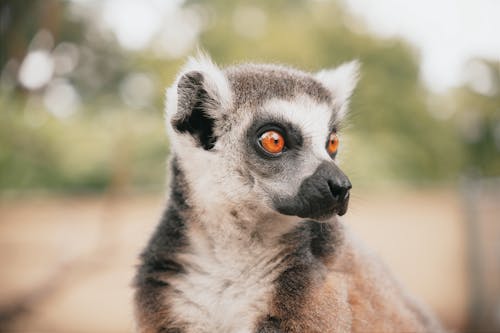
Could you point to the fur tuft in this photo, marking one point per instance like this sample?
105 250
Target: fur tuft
206 82
341 82
216 82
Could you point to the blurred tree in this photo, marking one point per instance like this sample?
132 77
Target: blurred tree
477 120
394 135
398 133
22 19
42 144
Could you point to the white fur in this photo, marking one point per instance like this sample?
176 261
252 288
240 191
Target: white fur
217 86
203 167
341 81
310 116
215 82
228 282
220 250
222 247
313 119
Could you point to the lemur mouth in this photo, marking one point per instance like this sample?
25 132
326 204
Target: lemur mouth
325 210
314 207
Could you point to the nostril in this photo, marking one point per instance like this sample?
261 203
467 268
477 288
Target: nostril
346 195
338 192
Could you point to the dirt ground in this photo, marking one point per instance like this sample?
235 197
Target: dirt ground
67 262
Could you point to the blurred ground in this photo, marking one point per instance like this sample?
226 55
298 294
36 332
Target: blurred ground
72 258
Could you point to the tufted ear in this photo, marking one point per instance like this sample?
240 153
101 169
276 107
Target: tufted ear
341 82
199 97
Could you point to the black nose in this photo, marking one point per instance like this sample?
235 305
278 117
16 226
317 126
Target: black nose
338 186
324 193
339 191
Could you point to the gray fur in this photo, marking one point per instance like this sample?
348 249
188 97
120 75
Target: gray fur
254 84
240 247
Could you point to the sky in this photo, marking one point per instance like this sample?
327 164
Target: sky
447 34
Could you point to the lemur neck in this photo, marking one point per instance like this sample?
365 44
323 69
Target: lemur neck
222 220
245 228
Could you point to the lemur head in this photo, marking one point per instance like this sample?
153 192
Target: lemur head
261 138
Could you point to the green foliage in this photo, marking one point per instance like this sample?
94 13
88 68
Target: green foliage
91 151
392 134
477 124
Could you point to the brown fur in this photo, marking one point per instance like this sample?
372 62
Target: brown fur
347 290
352 292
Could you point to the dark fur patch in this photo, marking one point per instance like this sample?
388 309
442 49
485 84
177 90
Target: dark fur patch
158 259
270 325
169 236
193 102
325 239
311 245
263 164
170 330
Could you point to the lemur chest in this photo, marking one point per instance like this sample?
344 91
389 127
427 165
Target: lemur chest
224 291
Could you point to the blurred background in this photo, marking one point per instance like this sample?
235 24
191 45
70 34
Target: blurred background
83 149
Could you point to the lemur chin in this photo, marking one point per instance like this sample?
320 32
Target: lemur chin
250 240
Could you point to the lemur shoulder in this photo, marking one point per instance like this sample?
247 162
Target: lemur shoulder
250 240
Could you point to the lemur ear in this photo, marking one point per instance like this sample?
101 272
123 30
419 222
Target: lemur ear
341 82
202 95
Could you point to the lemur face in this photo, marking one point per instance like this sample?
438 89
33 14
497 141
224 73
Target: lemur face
262 137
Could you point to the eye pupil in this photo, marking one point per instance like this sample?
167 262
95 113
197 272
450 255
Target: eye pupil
333 144
272 142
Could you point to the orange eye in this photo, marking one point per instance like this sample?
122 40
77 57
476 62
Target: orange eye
272 142
333 144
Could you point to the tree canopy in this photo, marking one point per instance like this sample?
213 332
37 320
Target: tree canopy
111 132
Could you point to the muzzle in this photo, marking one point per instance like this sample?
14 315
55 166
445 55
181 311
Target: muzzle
324 193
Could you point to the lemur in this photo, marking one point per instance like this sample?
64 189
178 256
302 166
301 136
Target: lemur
250 240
